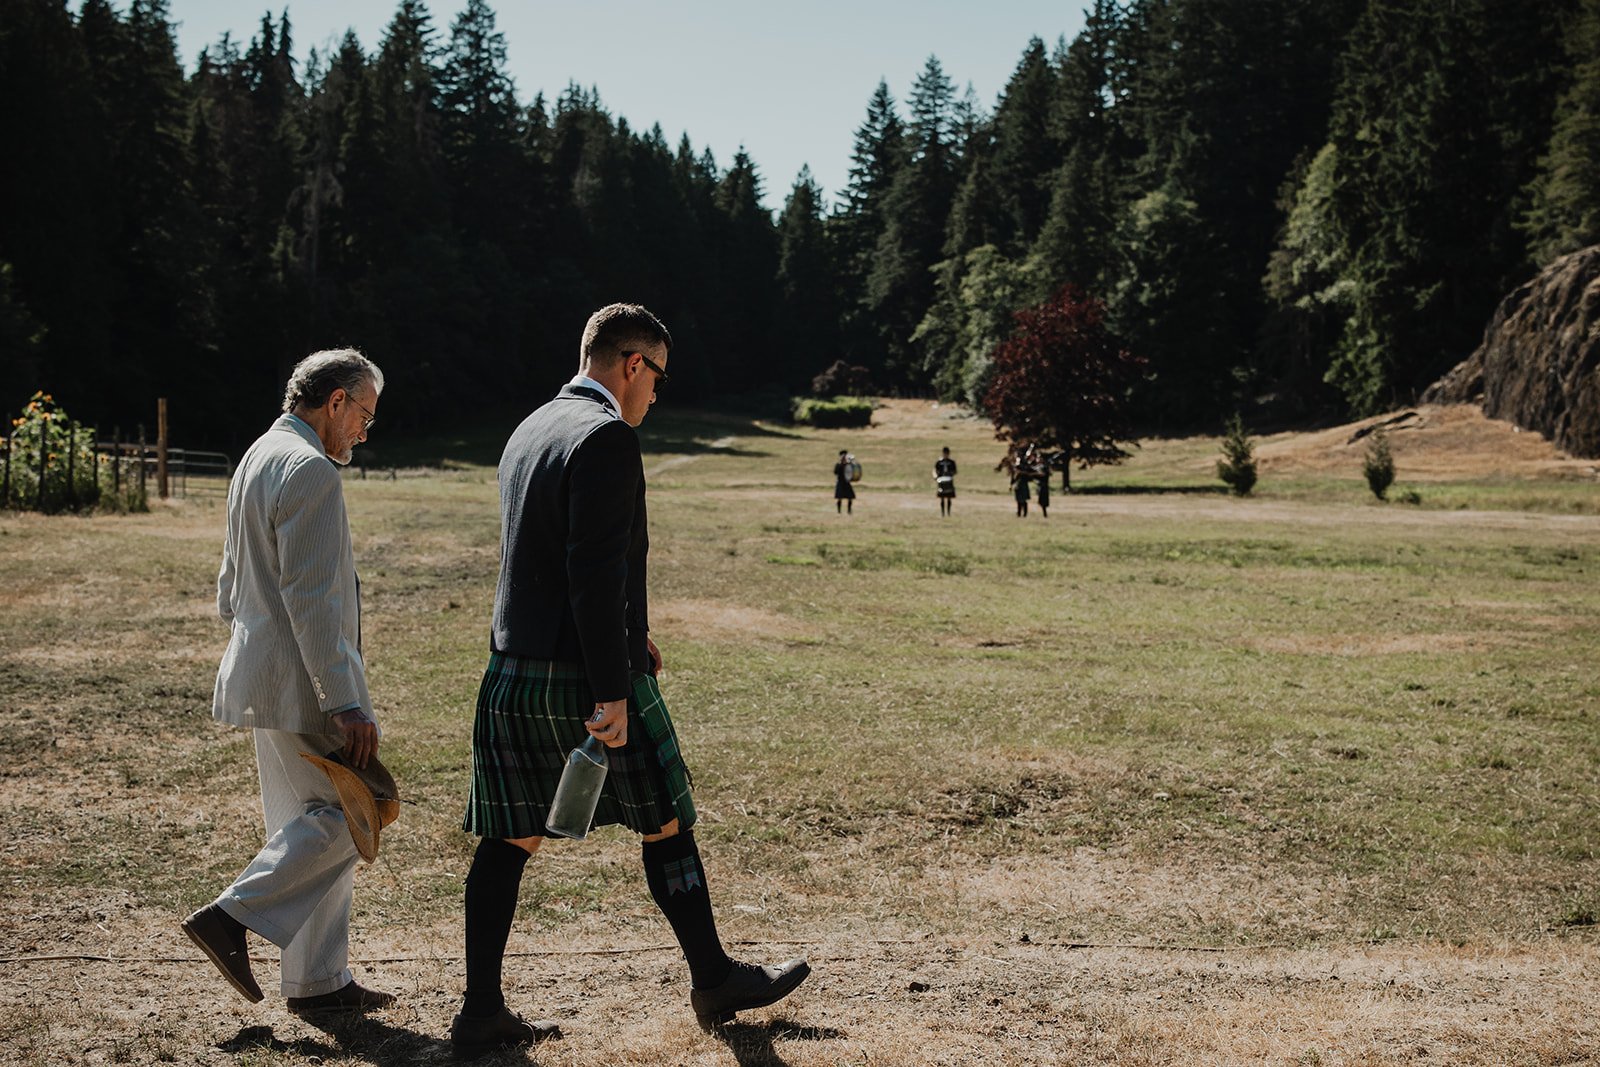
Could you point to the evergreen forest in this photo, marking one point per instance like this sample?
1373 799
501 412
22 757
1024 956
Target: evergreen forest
1289 208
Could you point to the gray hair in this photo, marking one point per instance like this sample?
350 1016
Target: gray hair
315 378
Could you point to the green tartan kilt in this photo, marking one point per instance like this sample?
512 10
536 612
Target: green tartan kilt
530 716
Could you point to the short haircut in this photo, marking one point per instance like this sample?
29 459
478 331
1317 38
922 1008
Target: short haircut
619 328
315 378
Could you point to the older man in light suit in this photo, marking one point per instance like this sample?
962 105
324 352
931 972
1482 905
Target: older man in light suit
293 674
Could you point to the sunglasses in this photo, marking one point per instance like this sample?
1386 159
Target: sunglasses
661 375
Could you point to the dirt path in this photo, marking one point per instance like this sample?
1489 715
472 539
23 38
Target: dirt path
892 1003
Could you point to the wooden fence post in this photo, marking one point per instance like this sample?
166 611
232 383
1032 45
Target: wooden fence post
72 467
44 453
161 447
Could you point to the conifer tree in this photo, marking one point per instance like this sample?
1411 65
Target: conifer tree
808 312
858 224
21 339
1237 467
58 204
1026 152
326 253
1075 242
490 208
1431 128
1564 211
748 260
481 124
900 286
161 308
1308 296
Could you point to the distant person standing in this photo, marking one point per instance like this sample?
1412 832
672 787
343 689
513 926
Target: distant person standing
844 494
944 476
1044 489
1019 488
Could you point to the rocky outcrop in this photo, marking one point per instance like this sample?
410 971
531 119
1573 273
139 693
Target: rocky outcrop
1539 364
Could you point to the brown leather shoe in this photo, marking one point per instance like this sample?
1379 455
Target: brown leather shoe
353 998
471 1037
747 986
221 937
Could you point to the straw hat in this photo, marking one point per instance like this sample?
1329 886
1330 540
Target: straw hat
367 794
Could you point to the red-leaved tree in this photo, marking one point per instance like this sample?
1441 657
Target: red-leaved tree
1061 383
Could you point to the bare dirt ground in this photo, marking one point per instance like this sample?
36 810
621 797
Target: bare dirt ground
867 1003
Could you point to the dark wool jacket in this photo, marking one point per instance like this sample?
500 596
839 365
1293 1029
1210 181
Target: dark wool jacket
573 542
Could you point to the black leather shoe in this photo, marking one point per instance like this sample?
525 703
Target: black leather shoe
746 987
221 937
471 1037
352 998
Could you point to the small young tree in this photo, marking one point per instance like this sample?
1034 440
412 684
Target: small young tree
1237 467
1061 382
1378 464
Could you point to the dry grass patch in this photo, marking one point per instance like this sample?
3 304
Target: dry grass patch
1158 719
718 621
1430 443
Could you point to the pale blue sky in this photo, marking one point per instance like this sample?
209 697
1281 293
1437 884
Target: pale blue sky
791 88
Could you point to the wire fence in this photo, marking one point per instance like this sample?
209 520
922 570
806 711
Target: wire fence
62 468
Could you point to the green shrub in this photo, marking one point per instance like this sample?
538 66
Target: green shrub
841 411
1378 464
1237 467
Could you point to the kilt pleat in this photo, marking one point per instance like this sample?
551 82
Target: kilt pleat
530 715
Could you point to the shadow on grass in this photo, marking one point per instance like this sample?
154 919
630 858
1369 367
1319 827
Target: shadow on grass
360 1038
682 432
752 1043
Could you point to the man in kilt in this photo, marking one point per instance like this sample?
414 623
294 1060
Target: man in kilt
570 653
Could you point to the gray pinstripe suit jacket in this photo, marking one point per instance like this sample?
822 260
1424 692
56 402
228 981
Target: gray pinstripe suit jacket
288 586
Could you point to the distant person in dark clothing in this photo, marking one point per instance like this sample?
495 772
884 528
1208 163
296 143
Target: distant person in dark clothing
1019 486
844 494
1044 491
944 476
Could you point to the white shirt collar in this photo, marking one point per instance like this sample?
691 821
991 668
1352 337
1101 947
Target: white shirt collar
589 383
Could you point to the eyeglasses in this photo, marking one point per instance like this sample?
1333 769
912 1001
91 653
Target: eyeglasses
661 375
370 417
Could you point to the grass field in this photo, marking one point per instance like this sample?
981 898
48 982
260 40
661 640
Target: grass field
1166 778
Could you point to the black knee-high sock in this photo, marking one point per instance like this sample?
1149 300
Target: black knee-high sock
492 886
678 884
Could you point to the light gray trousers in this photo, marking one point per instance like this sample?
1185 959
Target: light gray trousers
296 892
